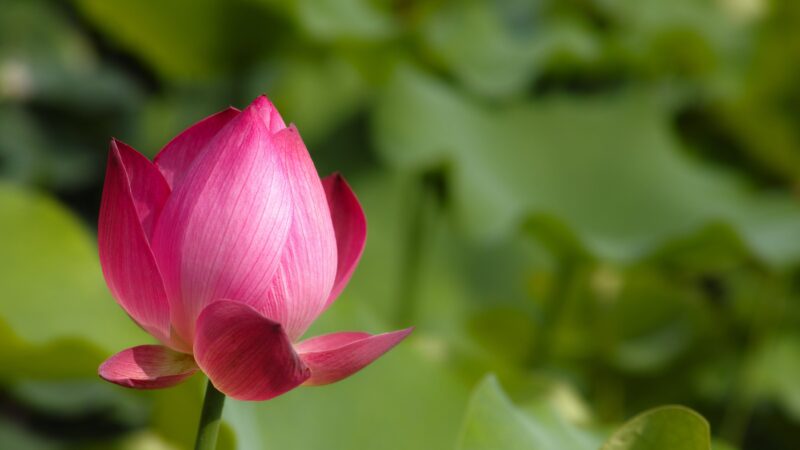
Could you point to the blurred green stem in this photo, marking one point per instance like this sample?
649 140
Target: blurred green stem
421 207
210 419
737 415
555 304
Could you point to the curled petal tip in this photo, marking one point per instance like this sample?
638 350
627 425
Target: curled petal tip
147 367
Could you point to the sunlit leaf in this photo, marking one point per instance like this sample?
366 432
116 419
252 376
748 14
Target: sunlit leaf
664 428
493 422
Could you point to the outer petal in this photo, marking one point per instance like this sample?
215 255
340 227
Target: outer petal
133 195
147 367
333 357
303 282
272 117
350 226
175 158
223 230
244 354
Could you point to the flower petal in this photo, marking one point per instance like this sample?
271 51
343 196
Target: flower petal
147 367
272 118
133 195
303 282
350 226
149 190
175 158
333 357
223 230
246 355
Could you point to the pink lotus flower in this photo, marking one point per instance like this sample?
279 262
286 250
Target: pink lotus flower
225 249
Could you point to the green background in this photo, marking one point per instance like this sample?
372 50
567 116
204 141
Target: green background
596 201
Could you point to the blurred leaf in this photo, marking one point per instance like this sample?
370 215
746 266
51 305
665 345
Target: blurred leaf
180 44
28 156
329 19
494 423
651 325
664 428
54 294
44 57
762 114
15 437
337 20
140 441
186 40
496 48
81 397
622 183
693 39
51 85
21 146
774 370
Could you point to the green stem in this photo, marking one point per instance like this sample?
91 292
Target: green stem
419 212
210 419
555 304
763 321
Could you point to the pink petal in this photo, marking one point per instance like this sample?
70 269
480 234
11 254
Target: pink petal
304 279
272 117
147 367
350 226
333 357
176 157
223 230
246 355
149 190
133 195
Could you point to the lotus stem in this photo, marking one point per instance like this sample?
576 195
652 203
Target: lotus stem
210 418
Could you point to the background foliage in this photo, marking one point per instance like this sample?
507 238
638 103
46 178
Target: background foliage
594 200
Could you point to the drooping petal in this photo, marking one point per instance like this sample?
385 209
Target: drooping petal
304 279
246 355
333 357
147 367
175 158
134 193
350 226
222 232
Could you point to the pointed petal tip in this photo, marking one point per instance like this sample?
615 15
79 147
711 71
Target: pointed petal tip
177 156
262 107
113 148
334 357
